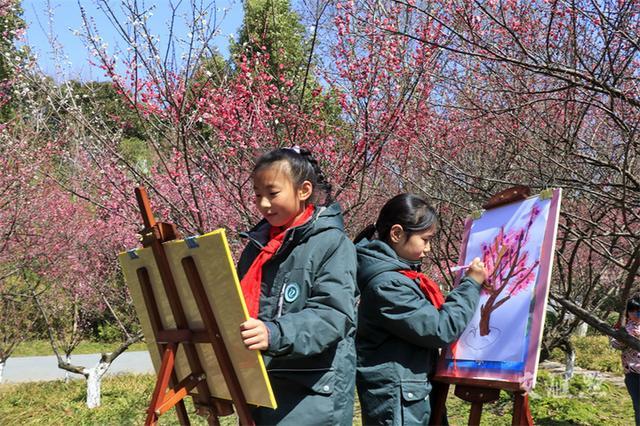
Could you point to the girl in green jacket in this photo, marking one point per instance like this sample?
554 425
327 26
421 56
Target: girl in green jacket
298 275
403 318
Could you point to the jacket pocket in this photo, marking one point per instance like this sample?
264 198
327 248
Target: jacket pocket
320 381
305 395
379 405
415 402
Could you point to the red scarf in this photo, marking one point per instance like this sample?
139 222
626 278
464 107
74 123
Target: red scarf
252 280
428 287
433 293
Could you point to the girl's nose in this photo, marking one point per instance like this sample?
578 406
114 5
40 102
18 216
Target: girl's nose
264 203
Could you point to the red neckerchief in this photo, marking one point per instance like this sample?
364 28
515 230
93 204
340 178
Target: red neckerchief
252 280
428 287
433 293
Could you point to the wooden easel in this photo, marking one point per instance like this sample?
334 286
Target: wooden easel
477 396
162 400
468 390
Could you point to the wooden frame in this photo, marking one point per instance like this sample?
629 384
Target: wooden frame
187 350
477 387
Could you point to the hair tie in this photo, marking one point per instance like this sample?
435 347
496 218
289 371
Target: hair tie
295 148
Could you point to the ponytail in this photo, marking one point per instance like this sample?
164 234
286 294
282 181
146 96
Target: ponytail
367 233
322 182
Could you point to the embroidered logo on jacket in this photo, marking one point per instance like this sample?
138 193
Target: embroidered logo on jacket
291 292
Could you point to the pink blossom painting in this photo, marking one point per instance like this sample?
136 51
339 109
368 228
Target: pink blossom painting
510 268
501 342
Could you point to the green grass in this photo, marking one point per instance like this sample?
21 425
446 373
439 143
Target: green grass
593 353
584 401
124 399
43 347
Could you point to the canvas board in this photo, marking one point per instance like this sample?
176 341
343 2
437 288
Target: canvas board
215 265
501 343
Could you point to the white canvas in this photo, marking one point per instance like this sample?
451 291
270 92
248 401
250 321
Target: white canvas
506 341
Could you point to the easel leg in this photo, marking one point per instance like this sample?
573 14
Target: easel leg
181 411
475 414
168 360
438 399
476 396
156 325
212 420
521 410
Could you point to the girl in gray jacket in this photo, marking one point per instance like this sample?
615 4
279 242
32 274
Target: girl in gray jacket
403 318
298 275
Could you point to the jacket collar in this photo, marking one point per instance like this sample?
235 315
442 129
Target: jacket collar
324 217
376 257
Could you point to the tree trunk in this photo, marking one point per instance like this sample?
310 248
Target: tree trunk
2 364
94 380
581 330
569 360
67 374
484 322
485 315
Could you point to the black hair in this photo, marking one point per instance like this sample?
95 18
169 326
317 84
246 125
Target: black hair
410 211
633 304
302 166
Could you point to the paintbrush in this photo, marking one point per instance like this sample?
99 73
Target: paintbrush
460 268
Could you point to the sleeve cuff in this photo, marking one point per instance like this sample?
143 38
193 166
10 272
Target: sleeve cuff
274 334
471 280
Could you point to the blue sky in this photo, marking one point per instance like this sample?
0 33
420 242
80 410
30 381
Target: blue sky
71 59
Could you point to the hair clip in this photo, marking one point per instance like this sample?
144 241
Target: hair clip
295 148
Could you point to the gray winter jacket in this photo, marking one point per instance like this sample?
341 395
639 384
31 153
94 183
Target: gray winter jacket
399 333
308 302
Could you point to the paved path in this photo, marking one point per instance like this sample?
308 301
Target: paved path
43 368
558 368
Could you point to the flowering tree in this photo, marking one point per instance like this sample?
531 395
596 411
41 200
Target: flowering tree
57 253
76 273
201 131
453 99
11 29
533 92
19 192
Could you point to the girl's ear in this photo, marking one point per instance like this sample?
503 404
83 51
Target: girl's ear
396 233
305 190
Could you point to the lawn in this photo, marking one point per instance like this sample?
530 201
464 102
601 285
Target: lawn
584 400
124 397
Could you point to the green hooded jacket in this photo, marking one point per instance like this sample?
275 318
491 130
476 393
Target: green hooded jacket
399 333
308 303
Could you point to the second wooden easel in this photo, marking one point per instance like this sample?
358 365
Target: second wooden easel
469 390
168 393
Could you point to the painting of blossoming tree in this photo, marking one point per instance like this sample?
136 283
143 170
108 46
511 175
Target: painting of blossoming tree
502 340
511 268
